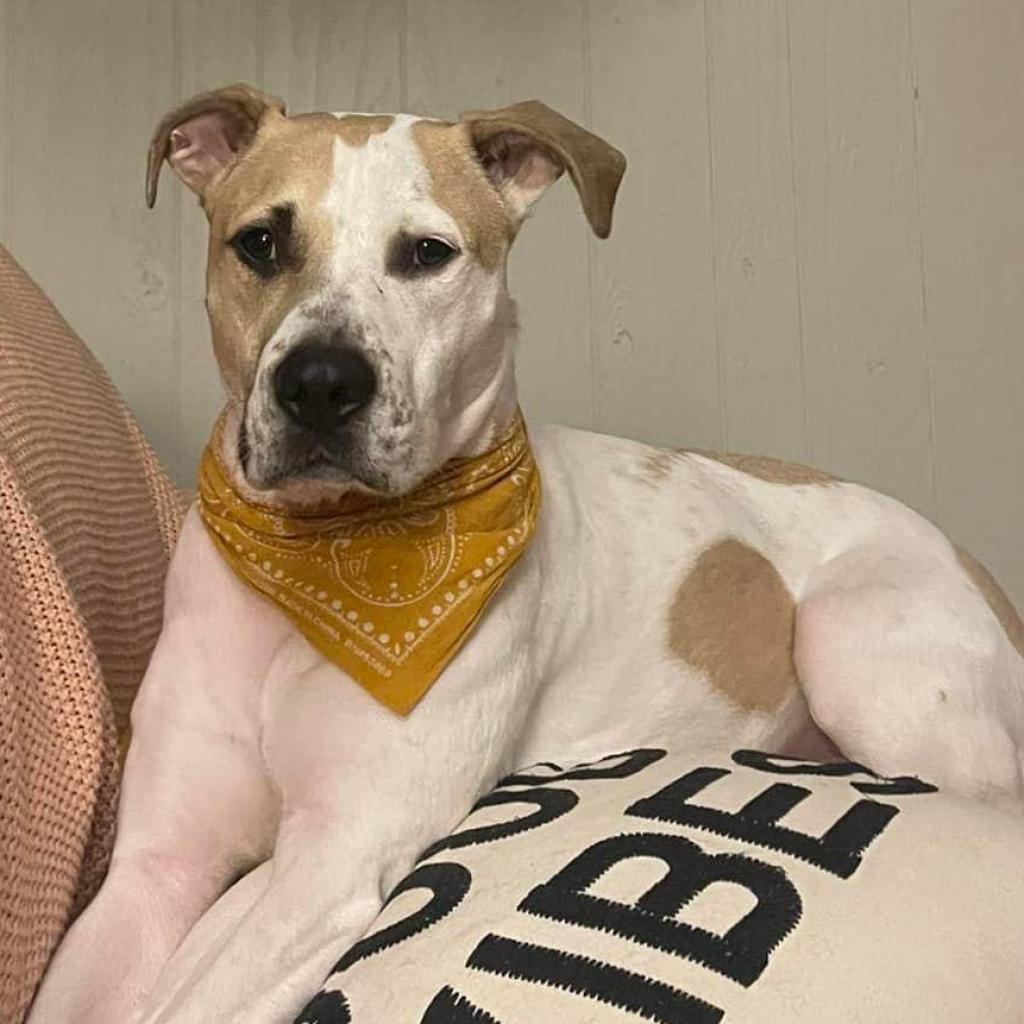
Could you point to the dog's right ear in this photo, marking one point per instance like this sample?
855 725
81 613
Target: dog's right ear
207 134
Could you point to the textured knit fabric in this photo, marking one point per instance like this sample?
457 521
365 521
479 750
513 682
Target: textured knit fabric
87 521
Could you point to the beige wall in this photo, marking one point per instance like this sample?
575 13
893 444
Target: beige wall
818 251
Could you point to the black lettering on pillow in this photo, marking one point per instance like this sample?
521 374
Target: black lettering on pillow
615 766
325 1008
778 764
741 953
648 998
448 883
551 804
839 851
451 1007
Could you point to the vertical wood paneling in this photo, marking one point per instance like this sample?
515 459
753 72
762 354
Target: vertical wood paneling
757 311
6 119
325 55
462 54
85 80
866 364
970 77
656 372
216 44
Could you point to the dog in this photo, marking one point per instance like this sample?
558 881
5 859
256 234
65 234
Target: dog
666 596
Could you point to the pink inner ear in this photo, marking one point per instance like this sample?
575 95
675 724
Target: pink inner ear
203 146
520 159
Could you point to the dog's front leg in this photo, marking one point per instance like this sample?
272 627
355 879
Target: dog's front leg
190 818
364 791
322 895
196 802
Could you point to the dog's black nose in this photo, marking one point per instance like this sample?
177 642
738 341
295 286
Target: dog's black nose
320 386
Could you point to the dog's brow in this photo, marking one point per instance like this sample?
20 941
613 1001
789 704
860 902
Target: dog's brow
282 217
290 251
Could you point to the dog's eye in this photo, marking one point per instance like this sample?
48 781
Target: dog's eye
257 244
432 252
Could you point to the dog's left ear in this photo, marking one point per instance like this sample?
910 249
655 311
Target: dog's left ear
526 147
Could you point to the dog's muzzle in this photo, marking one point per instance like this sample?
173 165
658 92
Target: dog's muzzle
320 386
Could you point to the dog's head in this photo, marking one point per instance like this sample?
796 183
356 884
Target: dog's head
356 276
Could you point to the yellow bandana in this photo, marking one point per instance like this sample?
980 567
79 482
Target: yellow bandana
388 590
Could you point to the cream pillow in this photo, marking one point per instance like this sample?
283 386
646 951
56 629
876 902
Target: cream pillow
690 889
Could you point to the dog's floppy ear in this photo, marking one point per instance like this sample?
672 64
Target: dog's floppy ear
526 147
208 133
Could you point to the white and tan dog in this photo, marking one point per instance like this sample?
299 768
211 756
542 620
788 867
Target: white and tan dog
667 597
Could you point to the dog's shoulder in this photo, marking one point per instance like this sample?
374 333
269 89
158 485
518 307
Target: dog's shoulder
201 586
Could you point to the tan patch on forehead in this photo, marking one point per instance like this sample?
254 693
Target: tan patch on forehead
657 466
1002 607
733 619
460 187
356 129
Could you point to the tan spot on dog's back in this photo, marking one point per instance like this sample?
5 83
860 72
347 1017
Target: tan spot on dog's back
1002 607
733 620
656 466
775 471
461 188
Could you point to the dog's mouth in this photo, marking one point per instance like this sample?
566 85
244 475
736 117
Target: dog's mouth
336 462
323 465
293 457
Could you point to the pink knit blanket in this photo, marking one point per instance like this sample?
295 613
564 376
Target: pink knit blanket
87 522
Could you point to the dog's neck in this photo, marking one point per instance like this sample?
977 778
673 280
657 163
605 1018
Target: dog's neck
486 402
